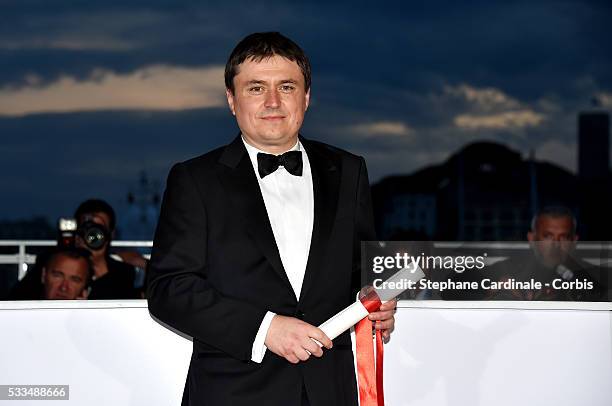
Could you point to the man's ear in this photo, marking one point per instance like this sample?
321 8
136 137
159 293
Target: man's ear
230 100
307 99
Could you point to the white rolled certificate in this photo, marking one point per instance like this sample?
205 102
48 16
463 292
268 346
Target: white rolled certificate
351 315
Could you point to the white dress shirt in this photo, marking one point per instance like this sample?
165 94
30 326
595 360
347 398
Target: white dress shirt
289 201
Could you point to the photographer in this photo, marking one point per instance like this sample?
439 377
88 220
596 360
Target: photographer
112 279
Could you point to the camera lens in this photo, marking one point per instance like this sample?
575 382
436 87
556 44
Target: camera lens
94 239
94 235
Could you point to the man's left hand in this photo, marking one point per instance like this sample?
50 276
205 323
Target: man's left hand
384 319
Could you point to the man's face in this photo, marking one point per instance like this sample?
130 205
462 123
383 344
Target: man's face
100 218
269 102
65 278
553 239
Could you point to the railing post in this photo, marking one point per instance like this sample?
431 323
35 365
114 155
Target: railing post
21 260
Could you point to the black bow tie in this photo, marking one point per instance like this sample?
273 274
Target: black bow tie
291 161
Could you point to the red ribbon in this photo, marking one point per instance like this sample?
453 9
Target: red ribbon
369 374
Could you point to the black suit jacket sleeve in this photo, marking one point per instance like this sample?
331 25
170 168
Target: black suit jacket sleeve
179 293
364 226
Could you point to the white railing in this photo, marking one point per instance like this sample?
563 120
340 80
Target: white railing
590 251
23 258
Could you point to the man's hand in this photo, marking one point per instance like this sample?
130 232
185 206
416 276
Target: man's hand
133 258
292 339
384 319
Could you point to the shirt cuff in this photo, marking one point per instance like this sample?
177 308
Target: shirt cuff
259 346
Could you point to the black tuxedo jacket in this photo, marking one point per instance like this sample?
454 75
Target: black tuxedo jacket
215 271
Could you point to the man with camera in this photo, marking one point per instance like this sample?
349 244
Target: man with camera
95 226
112 279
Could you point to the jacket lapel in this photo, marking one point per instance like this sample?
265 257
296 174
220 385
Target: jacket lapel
325 169
241 183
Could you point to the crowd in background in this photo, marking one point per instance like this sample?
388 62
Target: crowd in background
82 265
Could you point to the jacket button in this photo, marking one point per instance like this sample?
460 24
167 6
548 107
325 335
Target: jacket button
299 314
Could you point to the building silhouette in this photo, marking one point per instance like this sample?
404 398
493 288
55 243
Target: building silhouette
594 174
487 191
593 145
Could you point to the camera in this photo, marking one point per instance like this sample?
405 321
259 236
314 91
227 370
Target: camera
66 229
93 234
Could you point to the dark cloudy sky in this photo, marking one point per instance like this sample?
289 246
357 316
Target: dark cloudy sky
93 92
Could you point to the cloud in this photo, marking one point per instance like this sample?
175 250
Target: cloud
384 128
90 30
156 87
69 44
485 99
504 120
604 99
491 108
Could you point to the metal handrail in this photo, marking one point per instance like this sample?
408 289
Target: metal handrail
22 258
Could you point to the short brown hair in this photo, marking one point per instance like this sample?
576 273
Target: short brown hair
73 253
91 206
261 45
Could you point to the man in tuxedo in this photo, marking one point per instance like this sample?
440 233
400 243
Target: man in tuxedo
259 241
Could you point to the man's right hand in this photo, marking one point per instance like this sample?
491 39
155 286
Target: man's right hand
292 339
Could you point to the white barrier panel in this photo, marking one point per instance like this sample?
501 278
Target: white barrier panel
500 353
110 353
441 353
